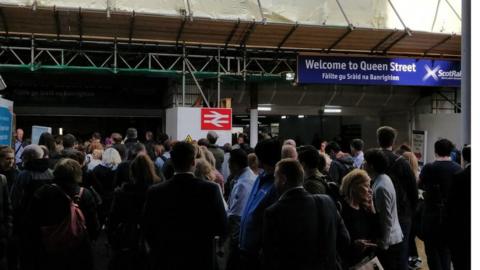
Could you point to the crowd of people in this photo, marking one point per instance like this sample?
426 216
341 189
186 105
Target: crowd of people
165 204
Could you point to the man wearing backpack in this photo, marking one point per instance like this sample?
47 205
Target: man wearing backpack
405 185
61 219
342 163
312 163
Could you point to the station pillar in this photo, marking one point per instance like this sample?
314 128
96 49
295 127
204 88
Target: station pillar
253 87
466 64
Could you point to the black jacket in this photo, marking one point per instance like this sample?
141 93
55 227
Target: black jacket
50 206
303 231
5 211
405 184
459 219
35 175
339 168
125 215
122 173
181 218
11 176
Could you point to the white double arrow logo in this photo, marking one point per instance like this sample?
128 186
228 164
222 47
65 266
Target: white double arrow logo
431 73
216 119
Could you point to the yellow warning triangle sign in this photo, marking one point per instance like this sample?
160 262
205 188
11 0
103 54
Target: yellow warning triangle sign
188 139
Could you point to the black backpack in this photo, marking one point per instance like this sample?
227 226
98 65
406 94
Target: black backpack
400 192
333 191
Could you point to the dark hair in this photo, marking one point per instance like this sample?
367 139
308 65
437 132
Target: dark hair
227 148
97 136
48 140
443 147
402 149
69 140
149 135
4 150
466 153
292 170
67 172
332 147
386 136
239 157
59 139
142 170
312 159
203 142
357 144
182 155
162 138
377 160
212 137
78 156
134 149
168 145
116 138
131 133
317 141
269 151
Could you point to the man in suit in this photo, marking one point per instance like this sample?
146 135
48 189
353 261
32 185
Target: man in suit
301 231
182 216
459 215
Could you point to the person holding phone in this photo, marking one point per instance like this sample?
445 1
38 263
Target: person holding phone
359 216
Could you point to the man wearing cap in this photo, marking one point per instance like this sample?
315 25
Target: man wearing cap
217 152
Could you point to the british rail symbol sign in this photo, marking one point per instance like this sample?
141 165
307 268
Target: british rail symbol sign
216 119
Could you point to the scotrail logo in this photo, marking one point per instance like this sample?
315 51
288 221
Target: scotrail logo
439 74
431 73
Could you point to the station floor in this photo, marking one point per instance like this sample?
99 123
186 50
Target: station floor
421 253
102 255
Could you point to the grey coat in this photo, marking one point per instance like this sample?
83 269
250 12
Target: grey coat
385 201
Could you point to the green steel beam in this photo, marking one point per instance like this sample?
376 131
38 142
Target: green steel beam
128 71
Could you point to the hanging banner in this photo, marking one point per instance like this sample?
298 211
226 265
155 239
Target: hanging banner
378 71
419 146
5 126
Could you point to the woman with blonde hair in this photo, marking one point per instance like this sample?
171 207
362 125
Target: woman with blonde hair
359 216
204 170
413 162
210 158
102 179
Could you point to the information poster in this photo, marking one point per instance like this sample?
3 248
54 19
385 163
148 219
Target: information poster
37 131
419 145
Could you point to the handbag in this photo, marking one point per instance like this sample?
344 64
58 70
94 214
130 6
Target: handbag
369 263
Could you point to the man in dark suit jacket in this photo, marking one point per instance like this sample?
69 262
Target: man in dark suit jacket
301 231
182 216
459 216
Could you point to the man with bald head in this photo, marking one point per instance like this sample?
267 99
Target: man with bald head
289 151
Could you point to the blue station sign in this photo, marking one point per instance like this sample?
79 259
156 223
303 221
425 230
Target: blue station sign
378 71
